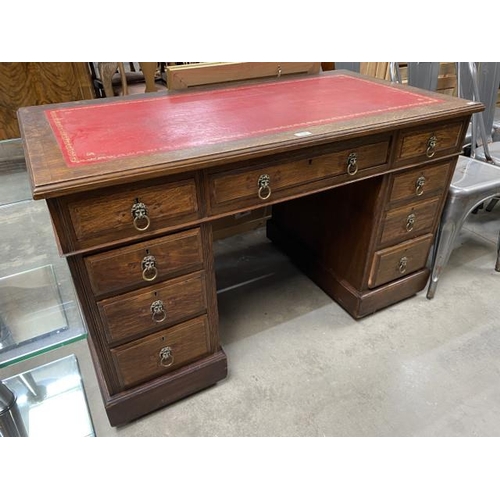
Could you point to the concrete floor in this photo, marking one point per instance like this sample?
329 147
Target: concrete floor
301 366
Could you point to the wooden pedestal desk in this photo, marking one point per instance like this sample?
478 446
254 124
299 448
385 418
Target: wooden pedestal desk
357 171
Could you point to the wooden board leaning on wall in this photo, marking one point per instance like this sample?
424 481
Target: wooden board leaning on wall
33 83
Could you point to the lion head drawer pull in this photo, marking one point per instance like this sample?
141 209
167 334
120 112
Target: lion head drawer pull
419 185
166 356
352 166
410 222
264 184
431 146
158 313
403 263
139 213
149 270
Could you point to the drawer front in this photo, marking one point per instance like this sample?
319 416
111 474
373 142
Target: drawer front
159 306
269 183
145 263
430 141
419 183
400 260
161 352
130 212
409 221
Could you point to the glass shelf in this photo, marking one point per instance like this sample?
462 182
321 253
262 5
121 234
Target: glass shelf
39 310
51 400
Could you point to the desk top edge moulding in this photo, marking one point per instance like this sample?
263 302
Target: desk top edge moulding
134 184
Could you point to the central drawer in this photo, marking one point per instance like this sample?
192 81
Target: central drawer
145 263
273 182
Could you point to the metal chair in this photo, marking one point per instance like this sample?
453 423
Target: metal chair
474 182
423 75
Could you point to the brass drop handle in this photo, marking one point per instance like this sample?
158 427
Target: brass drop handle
431 146
149 269
139 212
410 222
403 262
158 313
264 184
166 356
419 185
352 166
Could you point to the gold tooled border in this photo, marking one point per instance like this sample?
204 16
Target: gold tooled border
56 116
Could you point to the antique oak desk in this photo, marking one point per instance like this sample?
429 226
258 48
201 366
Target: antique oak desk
357 171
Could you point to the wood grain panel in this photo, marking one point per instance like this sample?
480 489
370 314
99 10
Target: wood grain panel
35 83
386 263
121 270
397 225
16 90
139 361
129 315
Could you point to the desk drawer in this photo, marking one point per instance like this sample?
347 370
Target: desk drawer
144 263
161 352
429 142
400 260
409 221
270 183
112 215
421 182
159 306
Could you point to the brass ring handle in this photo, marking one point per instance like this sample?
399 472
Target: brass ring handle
149 274
431 146
419 186
166 357
352 166
264 191
410 222
139 212
158 311
149 269
142 228
402 265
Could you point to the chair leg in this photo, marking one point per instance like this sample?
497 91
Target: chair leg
106 72
453 219
149 70
497 265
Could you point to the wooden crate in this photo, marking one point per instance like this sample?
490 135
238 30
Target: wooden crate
196 74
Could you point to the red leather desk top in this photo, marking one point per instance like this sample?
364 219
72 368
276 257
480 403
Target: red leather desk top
113 130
